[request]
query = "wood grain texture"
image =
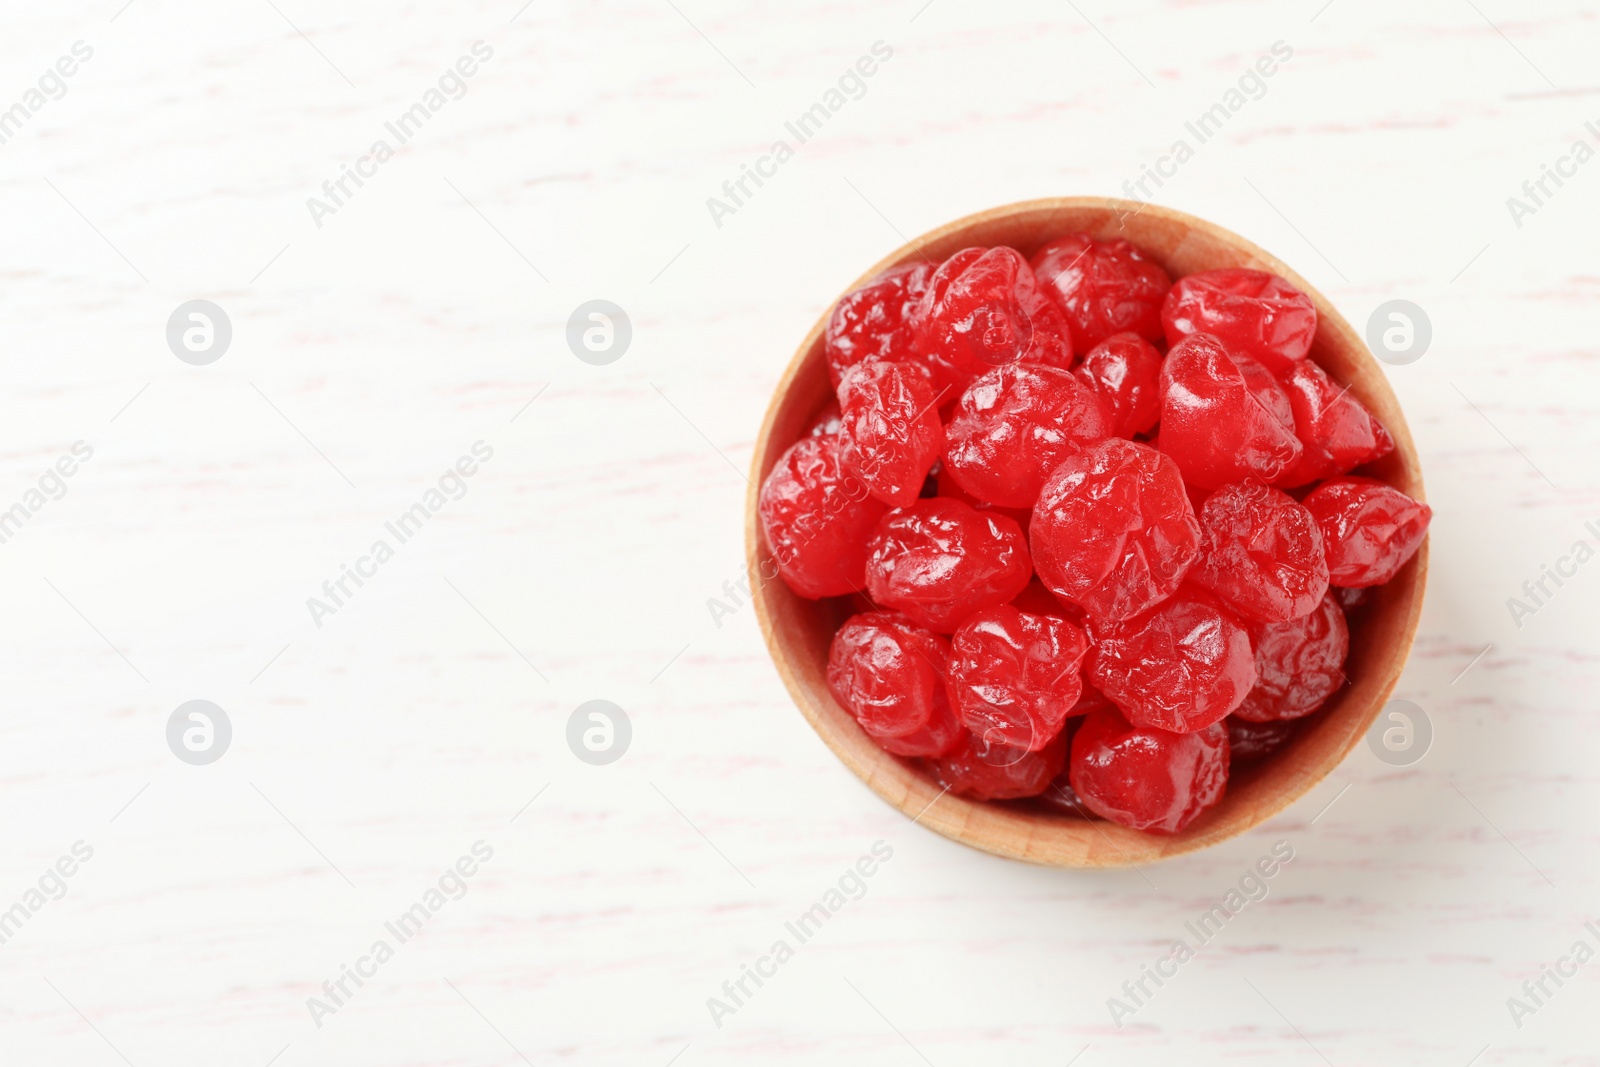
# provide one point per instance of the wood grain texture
(430, 310)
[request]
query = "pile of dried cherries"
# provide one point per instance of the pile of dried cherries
(1098, 531)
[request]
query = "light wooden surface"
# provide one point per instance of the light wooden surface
(418, 320)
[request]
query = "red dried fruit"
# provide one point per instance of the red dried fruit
(1222, 419)
(985, 771)
(1013, 426)
(1267, 391)
(1253, 313)
(816, 519)
(1369, 529)
(936, 739)
(1262, 554)
(1181, 666)
(1124, 373)
(874, 322)
(1336, 433)
(1299, 664)
(984, 308)
(1113, 531)
(1256, 740)
(1014, 677)
(940, 560)
(890, 435)
(828, 421)
(889, 674)
(1147, 779)
(1105, 287)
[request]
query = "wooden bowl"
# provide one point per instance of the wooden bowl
(798, 631)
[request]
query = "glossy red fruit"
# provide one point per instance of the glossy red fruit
(1268, 392)
(1299, 664)
(1124, 371)
(940, 560)
(1013, 426)
(828, 421)
(1105, 287)
(938, 738)
(985, 771)
(1257, 740)
(1262, 554)
(889, 674)
(1113, 531)
(1014, 677)
(1218, 424)
(816, 519)
(1369, 529)
(1254, 313)
(874, 322)
(1337, 434)
(1147, 779)
(890, 435)
(984, 308)
(1181, 666)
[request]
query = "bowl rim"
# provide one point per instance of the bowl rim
(1064, 841)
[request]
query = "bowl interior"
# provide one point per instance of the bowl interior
(798, 631)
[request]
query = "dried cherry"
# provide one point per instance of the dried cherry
(940, 560)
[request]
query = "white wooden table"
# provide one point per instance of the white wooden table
(429, 711)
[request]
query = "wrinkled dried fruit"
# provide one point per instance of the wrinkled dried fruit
(816, 519)
(889, 674)
(985, 771)
(890, 435)
(874, 322)
(940, 560)
(1299, 664)
(1154, 611)
(1253, 313)
(1147, 779)
(1014, 677)
(1181, 666)
(1013, 426)
(1262, 554)
(984, 308)
(1113, 531)
(1369, 529)
(1220, 425)
(1124, 372)
(828, 421)
(1256, 740)
(1336, 433)
(1105, 287)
